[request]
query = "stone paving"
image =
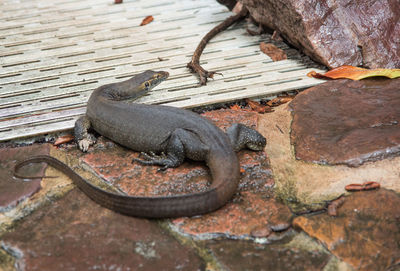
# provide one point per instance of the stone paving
(276, 221)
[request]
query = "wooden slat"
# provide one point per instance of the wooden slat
(53, 54)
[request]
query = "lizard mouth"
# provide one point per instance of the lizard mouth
(158, 77)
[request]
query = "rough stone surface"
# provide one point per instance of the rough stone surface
(302, 183)
(293, 253)
(13, 190)
(336, 32)
(347, 122)
(366, 232)
(248, 215)
(76, 234)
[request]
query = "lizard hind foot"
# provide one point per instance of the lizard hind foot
(153, 159)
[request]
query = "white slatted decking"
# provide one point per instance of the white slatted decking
(54, 53)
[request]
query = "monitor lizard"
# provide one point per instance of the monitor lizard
(153, 129)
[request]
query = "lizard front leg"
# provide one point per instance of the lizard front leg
(83, 138)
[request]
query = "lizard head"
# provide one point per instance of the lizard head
(149, 79)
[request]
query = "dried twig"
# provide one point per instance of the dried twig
(194, 65)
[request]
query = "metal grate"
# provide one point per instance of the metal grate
(54, 53)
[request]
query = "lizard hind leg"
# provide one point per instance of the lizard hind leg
(181, 144)
(83, 138)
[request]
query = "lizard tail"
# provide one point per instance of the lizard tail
(225, 176)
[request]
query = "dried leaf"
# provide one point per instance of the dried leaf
(355, 73)
(361, 187)
(64, 139)
(280, 100)
(256, 106)
(147, 20)
(117, 1)
(272, 51)
(235, 107)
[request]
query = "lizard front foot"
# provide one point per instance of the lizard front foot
(85, 143)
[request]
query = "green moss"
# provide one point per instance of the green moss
(286, 191)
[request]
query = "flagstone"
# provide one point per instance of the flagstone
(365, 233)
(308, 185)
(74, 233)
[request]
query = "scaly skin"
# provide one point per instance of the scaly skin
(176, 132)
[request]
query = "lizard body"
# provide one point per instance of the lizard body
(176, 133)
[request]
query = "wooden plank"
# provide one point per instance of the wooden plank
(53, 55)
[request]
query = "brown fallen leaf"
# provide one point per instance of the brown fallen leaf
(280, 100)
(117, 1)
(64, 139)
(362, 187)
(147, 20)
(257, 107)
(272, 51)
(355, 73)
(334, 205)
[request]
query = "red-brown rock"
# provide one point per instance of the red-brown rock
(250, 214)
(277, 256)
(347, 122)
(366, 232)
(13, 190)
(359, 32)
(74, 233)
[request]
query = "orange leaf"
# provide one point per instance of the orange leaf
(361, 187)
(64, 139)
(256, 106)
(355, 73)
(147, 20)
(235, 107)
(280, 100)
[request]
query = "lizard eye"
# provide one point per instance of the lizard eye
(146, 84)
